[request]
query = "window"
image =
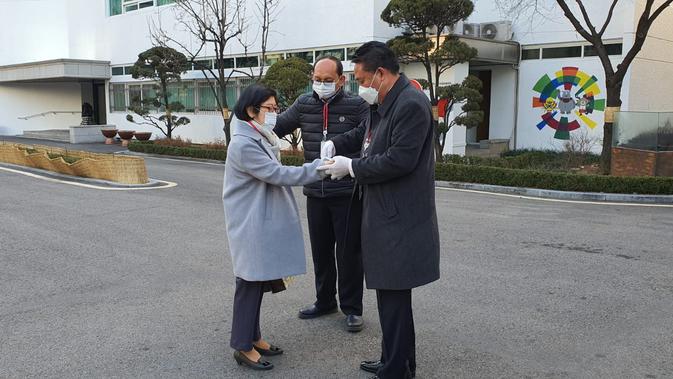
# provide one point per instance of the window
(305, 55)
(527, 54)
(135, 95)
(339, 53)
(562, 52)
(352, 84)
(613, 49)
(115, 7)
(127, 70)
(134, 5)
(207, 100)
(202, 64)
(243, 62)
(123, 6)
(273, 58)
(226, 63)
(117, 98)
(149, 92)
(117, 71)
(350, 52)
(182, 93)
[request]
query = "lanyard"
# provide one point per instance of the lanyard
(325, 120)
(254, 127)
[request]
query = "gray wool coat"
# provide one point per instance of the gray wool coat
(262, 219)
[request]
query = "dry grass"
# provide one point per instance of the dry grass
(218, 144)
(176, 141)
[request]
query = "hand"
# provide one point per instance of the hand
(324, 175)
(327, 150)
(340, 168)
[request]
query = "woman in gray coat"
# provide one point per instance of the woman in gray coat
(262, 219)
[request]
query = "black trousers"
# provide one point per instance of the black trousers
(336, 222)
(398, 347)
(245, 322)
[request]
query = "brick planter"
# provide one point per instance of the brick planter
(634, 162)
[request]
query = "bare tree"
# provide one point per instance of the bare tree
(583, 24)
(214, 25)
(267, 13)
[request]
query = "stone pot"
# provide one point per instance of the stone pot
(143, 136)
(109, 134)
(126, 136)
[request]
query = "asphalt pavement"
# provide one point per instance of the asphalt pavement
(131, 284)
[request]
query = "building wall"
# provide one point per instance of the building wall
(549, 25)
(503, 102)
(26, 99)
(528, 135)
(651, 79)
(203, 128)
(33, 31)
(299, 24)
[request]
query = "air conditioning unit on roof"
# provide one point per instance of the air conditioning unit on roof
(472, 30)
(499, 31)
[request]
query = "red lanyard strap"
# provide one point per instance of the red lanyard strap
(254, 127)
(325, 119)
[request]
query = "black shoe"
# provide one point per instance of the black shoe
(371, 366)
(313, 312)
(241, 359)
(273, 350)
(354, 323)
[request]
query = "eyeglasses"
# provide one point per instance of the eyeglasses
(270, 108)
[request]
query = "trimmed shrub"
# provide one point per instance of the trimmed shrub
(292, 160)
(192, 152)
(553, 180)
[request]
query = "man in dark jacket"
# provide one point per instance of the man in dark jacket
(395, 175)
(327, 112)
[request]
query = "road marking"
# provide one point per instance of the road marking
(92, 186)
(557, 200)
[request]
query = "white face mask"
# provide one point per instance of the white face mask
(324, 90)
(270, 118)
(369, 94)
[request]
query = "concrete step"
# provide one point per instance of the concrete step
(60, 135)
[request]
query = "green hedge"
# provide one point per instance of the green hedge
(473, 173)
(195, 152)
(530, 160)
(553, 180)
(192, 152)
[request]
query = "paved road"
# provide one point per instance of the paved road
(138, 284)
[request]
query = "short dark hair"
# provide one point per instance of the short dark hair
(375, 54)
(253, 96)
(340, 66)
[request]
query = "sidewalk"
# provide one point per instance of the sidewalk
(90, 147)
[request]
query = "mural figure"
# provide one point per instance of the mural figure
(569, 100)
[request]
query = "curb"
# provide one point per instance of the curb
(560, 195)
(76, 179)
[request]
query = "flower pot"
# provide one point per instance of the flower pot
(143, 136)
(109, 134)
(126, 136)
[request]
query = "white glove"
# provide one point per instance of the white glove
(327, 150)
(340, 168)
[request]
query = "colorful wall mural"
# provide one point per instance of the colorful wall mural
(568, 101)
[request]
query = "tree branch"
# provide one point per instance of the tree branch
(661, 8)
(585, 15)
(574, 21)
(608, 19)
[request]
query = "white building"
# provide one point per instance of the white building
(57, 54)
